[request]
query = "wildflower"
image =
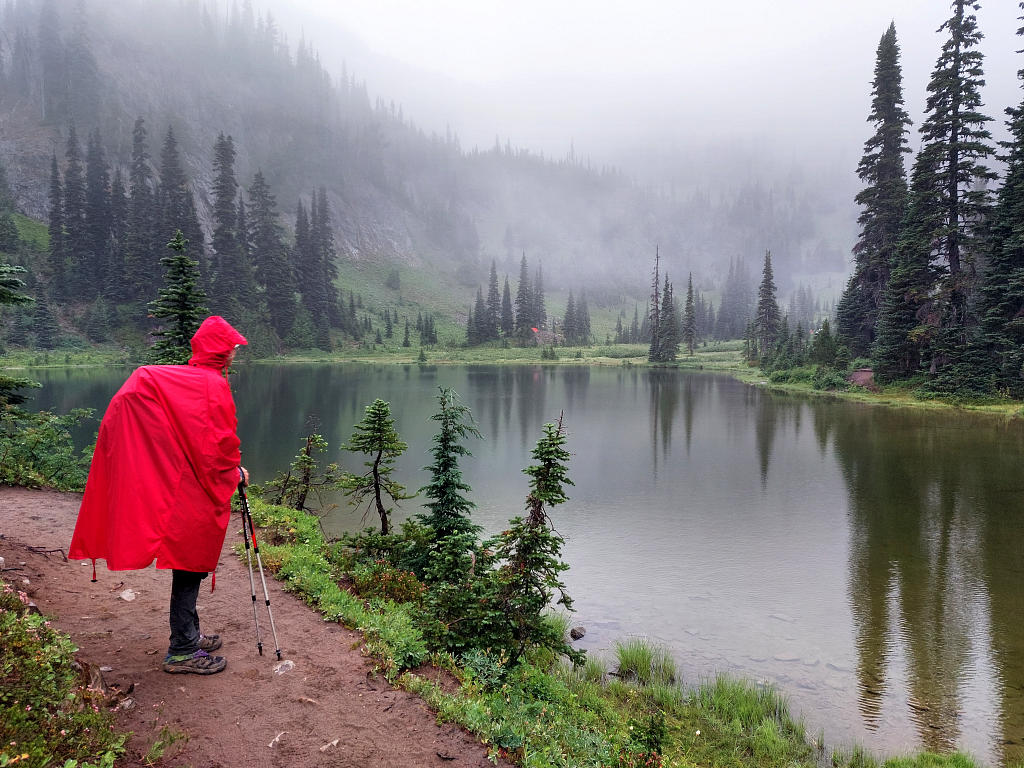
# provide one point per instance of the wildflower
(698, 732)
(28, 707)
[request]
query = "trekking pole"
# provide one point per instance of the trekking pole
(247, 523)
(248, 559)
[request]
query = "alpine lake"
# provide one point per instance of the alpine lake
(867, 561)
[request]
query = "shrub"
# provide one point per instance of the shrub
(381, 580)
(46, 712)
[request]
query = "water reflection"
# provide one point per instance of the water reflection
(933, 505)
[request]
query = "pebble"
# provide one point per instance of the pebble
(106, 669)
(2, 561)
(329, 744)
(128, 595)
(284, 666)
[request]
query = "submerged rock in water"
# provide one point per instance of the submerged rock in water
(577, 632)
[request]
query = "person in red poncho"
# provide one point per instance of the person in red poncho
(166, 464)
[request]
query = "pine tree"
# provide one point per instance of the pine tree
(654, 354)
(493, 304)
(538, 310)
(405, 338)
(273, 271)
(113, 288)
(954, 137)
(176, 203)
(882, 201)
(524, 303)
(507, 318)
(531, 551)
(452, 534)
(57, 252)
(569, 326)
(668, 325)
(376, 436)
(140, 279)
(75, 226)
(1002, 291)
(583, 320)
(767, 317)
(226, 242)
(182, 304)
(322, 237)
(690, 318)
(93, 269)
(44, 324)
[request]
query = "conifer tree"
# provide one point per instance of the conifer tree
(531, 551)
(322, 236)
(583, 320)
(654, 354)
(524, 303)
(767, 317)
(538, 311)
(180, 307)
(75, 226)
(882, 201)
(690, 318)
(452, 534)
(140, 260)
(958, 147)
(479, 320)
(93, 269)
(1002, 291)
(113, 287)
(668, 325)
(273, 271)
(493, 304)
(226, 242)
(57, 252)
(405, 338)
(376, 436)
(44, 324)
(569, 327)
(507, 318)
(176, 203)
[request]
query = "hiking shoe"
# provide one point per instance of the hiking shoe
(198, 663)
(209, 642)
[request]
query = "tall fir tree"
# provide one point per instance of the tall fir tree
(669, 331)
(57, 251)
(958, 144)
(226, 243)
(176, 203)
(583, 320)
(508, 320)
(767, 317)
(322, 236)
(524, 303)
(570, 329)
(141, 263)
(1002, 290)
(690, 318)
(75, 225)
(274, 272)
(493, 304)
(180, 307)
(93, 269)
(538, 309)
(654, 353)
(882, 200)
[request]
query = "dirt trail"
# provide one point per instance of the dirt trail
(329, 710)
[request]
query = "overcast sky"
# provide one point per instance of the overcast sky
(609, 77)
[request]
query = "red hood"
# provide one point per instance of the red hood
(213, 342)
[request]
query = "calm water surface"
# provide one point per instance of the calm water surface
(867, 561)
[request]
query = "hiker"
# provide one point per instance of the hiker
(166, 464)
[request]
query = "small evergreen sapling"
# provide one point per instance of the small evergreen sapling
(376, 436)
(531, 550)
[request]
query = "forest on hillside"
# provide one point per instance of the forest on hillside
(397, 195)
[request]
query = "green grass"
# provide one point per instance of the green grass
(34, 233)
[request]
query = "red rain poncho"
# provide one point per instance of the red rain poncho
(166, 464)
